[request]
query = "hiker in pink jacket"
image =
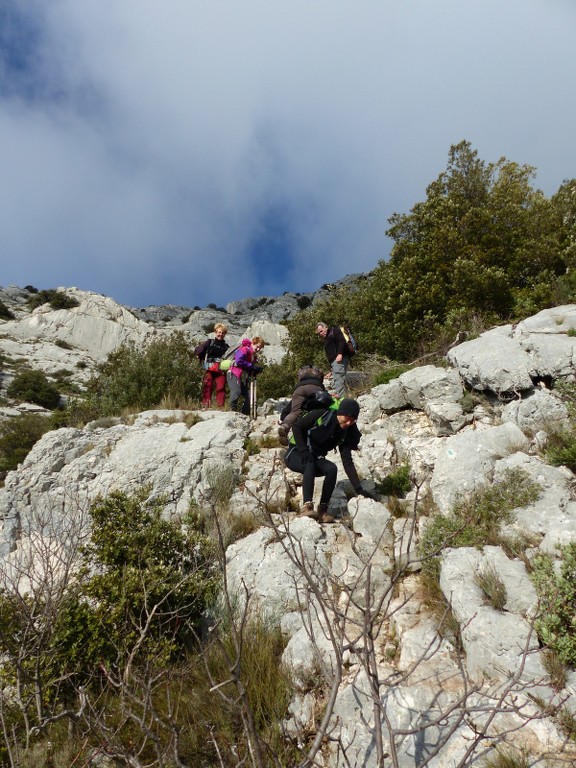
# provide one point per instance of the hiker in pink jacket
(244, 365)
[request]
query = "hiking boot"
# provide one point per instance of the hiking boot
(307, 510)
(283, 435)
(324, 515)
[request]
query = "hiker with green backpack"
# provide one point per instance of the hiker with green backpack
(310, 382)
(313, 436)
(339, 345)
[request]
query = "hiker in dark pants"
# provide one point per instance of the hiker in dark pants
(313, 436)
(244, 366)
(336, 350)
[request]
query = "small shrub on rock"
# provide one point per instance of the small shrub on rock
(56, 299)
(5, 313)
(33, 387)
(557, 593)
(18, 435)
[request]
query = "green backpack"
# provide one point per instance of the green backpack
(227, 360)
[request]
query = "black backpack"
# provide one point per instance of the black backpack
(320, 399)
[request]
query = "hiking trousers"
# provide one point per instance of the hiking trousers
(339, 377)
(238, 388)
(214, 381)
(310, 470)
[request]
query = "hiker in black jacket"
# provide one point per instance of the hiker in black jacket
(336, 350)
(309, 382)
(210, 353)
(313, 435)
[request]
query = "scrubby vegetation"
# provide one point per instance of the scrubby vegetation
(141, 377)
(483, 248)
(110, 644)
(5, 313)
(476, 520)
(18, 435)
(34, 387)
(557, 592)
(56, 299)
(561, 444)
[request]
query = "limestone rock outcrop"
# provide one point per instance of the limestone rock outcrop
(349, 597)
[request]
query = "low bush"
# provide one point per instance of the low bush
(141, 377)
(18, 435)
(5, 313)
(387, 374)
(556, 590)
(33, 387)
(278, 380)
(56, 299)
(397, 483)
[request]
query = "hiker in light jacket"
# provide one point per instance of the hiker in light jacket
(210, 354)
(309, 382)
(313, 435)
(336, 350)
(245, 365)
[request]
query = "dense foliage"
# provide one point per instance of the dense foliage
(484, 247)
(34, 387)
(122, 610)
(5, 313)
(141, 377)
(556, 590)
(56, 299)
(17, 437)
(139, 571)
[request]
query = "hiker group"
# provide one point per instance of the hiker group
(236, 366)
(313, 423)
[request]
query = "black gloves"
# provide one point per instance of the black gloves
(257, 369)
(367, 494)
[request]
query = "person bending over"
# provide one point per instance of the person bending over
(313, 435)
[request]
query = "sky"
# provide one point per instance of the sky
(191, 152)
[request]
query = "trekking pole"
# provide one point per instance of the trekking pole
(253, 403)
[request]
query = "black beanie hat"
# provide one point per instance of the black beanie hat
(349, 407)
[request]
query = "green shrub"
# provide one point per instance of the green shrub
(18, 435)
(557, 595)
(385, 376)
(397, 483)
(63, 344)
(56, 299)
(138, 569)
(5, 313)
(33, 387)
(278, 380)
(139, 378)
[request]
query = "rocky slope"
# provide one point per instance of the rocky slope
(363, 649)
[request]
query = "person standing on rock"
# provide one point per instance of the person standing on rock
(210, 353)
(313, 435)
(336, 349)
(245, 366)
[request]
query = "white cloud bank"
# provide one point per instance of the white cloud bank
(144, 146)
